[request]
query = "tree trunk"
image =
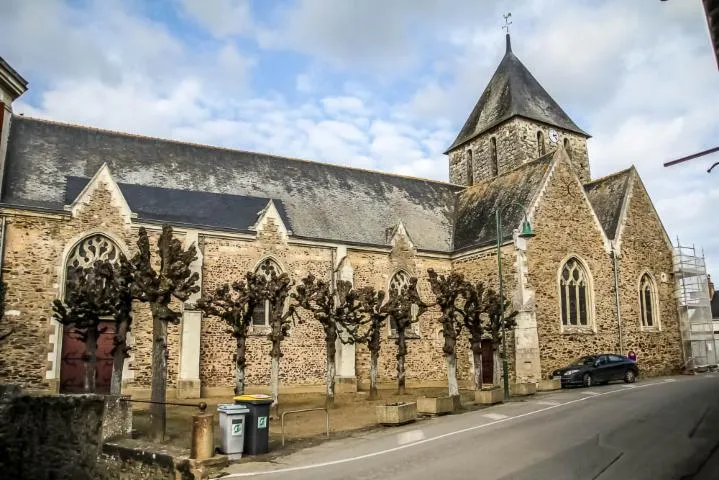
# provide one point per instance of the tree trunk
(118, 357)
(159, 376)
(453, 388)
(401, 352)
(240, 366)
(275, 381)
(477, 369)
(374, 357)
(497, 367)
(90, 359)
(331, 370)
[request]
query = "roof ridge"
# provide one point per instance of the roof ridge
(227, 149)
(608, 176)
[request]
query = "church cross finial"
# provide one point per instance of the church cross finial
(506, 25)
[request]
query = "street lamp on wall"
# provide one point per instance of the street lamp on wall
(526, 233)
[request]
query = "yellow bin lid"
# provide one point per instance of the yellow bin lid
(257, 396)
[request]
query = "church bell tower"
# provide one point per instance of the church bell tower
(515, 121)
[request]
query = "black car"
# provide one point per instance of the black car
(597, 369)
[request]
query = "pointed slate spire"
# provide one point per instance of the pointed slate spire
(513, 91)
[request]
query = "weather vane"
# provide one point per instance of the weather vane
(507, 23)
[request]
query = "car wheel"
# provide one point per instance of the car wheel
(587, 380)
(629, 376)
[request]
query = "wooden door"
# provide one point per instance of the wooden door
(72, 369)
(487, 362)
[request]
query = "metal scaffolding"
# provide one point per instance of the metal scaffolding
(695, 313)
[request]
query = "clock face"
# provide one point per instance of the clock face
(553, 136)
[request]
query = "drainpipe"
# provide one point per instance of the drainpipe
(616, 298)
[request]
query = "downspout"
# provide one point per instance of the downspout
(616, 298)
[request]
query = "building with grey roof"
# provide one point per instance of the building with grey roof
(596, 278)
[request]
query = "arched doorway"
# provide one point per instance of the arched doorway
(84, 254)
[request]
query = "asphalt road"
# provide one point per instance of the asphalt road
(664, 428)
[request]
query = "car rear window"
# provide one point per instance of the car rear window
(615, 358)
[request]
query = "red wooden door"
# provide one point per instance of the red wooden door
(72, 369)
(487, 362)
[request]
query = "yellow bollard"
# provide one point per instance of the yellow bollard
(203, 436)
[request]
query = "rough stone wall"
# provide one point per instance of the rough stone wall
(645, 248)
(304, 360)
(425, 360)
(51, 436)
(516, 144)
(34, 248)
(564, 226)
(482, 267)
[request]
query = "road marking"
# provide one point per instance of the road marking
(426, 440)
(594, 394)
(495, 416)
(629, 386)
(668, 380)
(410, 437)
(547, 402)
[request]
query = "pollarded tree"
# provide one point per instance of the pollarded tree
(404, 307)
(496, 309)
(119, 278)
(276, 291)
(333, 310)
(448, 291)
(235, 304)
(475, 311)
(88, 298)
(369, 329)
(158, 287)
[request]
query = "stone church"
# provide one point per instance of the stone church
(597, 277)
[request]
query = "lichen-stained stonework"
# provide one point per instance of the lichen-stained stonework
(565, 226)
(645, 248)
(516, 144)
(34, 270)
(227, 260)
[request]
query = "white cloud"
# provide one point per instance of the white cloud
(639, 76)
(221, 18)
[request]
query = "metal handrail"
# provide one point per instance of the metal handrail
(201, 405)
(282, 419)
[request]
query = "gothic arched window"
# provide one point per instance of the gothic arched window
(398, 284)
(648, 301)
(261, 315)
(470, 169)
(540, 143)
(567, 147)
(493, 163)
(89, 250)
(575, 294)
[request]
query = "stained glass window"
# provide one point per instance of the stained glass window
(574, 293)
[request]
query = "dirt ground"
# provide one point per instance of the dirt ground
(352, 412)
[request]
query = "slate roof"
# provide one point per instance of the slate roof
(475, 225)
(711, 8)
(607, 197)
(321, 201)
(206, 209)
(513, 91)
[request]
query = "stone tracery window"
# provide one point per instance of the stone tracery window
(261, 315)
(648, 301)
(89, 250)
(398, 283)
(575, 294)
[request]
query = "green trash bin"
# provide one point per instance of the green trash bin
(257, 423)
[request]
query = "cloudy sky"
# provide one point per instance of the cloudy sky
(382, 84)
